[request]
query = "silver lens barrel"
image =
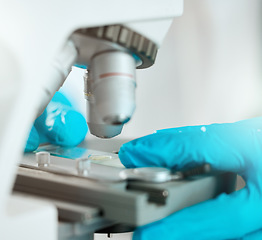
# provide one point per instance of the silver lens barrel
(110, 91)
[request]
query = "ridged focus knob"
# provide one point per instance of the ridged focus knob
(142, 47)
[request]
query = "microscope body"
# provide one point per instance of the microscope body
(39, 42)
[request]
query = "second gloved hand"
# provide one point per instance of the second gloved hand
(235, 147)
(59, 124)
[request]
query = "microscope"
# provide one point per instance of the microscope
(39, 42)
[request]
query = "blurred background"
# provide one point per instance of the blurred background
(208, 69)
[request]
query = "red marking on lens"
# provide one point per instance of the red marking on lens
(116, 74)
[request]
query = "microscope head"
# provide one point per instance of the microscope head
(111, 54)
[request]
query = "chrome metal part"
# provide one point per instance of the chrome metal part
(43, 159)
(147, 174)
(111, 55)
(143, 48)
(110, 92)
(160, 175)
(83, 166)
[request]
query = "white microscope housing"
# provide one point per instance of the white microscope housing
(39, 42)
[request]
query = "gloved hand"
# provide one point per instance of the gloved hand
(235, 147)
(59, 124)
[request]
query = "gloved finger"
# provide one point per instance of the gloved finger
(60, 124)
(176, 151)
(225, 146)
(32, 141)
(68, 128)
(226, 217)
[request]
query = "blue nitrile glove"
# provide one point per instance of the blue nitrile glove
(59, 124)
(235, 147)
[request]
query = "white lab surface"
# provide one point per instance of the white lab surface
(207, 70)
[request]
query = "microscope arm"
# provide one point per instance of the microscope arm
(32, 35)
